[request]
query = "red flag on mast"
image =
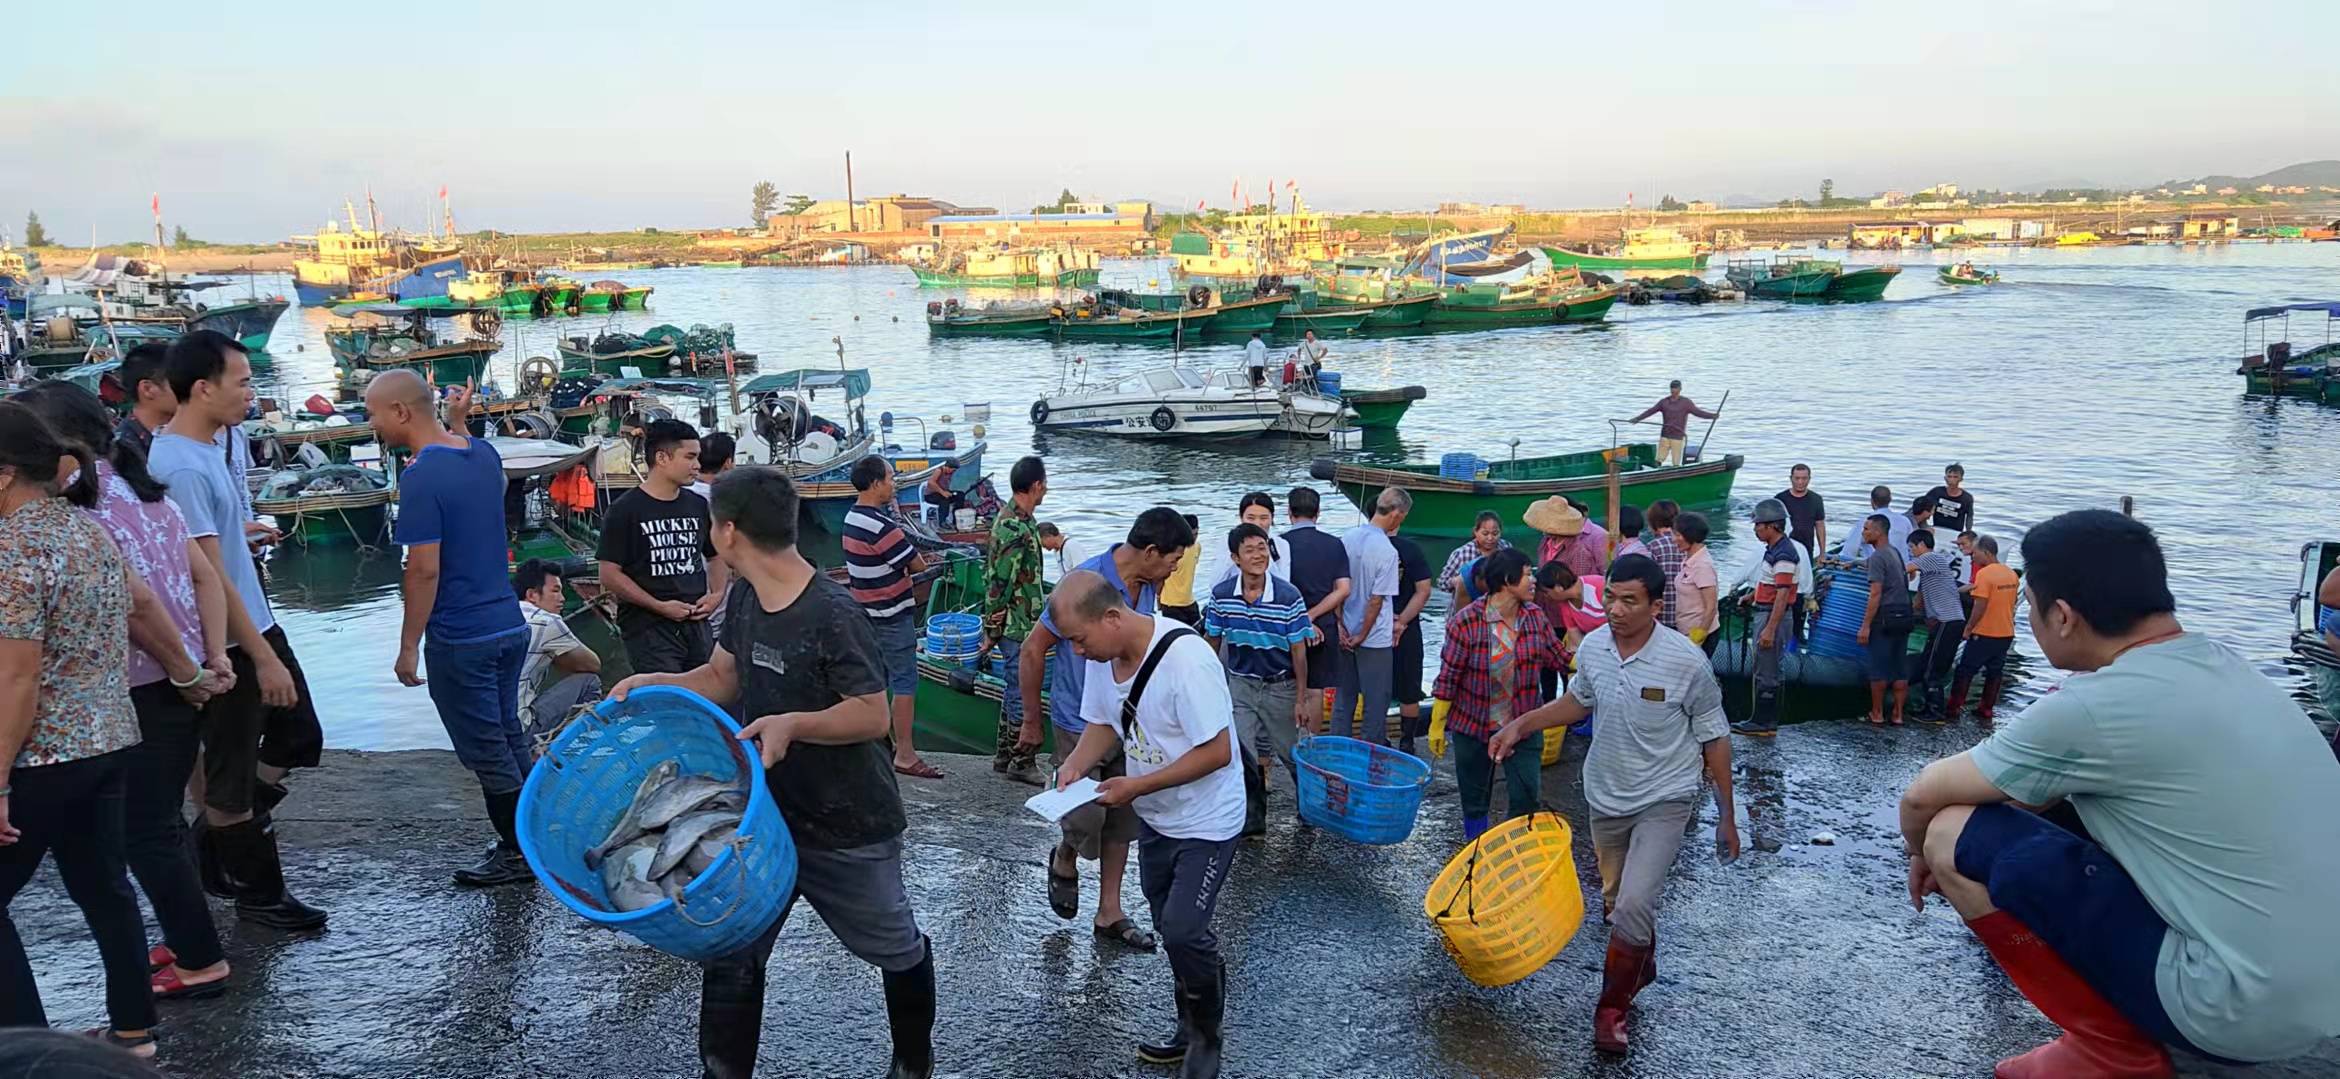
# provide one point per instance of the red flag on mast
(157, 202)
(442, 192)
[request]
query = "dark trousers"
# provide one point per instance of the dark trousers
(74, 810)
(1985, 654)
(476, 688)
(656, 645)
(1941, 651)
(290, 737)
(1474, 774)
(1181, 879)
(154, 824)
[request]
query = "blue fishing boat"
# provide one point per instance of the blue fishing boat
(1430, 258)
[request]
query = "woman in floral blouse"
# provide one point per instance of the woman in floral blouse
(66, 598)
(1490, 670)
(151, 534)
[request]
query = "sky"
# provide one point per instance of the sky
(253, 122)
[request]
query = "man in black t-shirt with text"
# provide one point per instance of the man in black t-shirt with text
(1807, 514)
(1953, 503)
(798, 666)
(656, 558)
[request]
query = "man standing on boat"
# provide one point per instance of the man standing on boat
(2172, 887)
(1012, 595)
(656, 558)
(1807, 513)
(451, 522)
(1255, 360)
(1953, 503)
(1674, 412)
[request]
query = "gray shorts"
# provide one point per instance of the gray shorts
(898, 644)
(858, 892)
(1087, 829)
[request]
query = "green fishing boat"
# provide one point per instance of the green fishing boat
(1401, 313)
(1860, 286)
(560, 295)
(329, 504)
(1484, 307)
(1785, 278)
(386, 336)
(1643, 249)
(634, 298)
(1229, 314)
(948, 318)
(1966, 273)
(1100, 319)
(957, 704)
(2278, 367)
(610, 353)
(1072, 278)
(1325, 321)
(1447, 507)
(599, 297)
(1381, 409)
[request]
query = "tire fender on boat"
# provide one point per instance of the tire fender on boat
(1163, 419)
(1039, 413)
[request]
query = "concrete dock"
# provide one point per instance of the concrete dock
(1797, 960)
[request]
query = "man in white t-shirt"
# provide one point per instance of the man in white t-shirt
(552, 646)
(1155, 690)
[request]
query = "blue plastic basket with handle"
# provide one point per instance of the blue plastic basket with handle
(1353, 788)
(588, 778)
(954, 636)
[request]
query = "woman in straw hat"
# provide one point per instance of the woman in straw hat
(1568, 537)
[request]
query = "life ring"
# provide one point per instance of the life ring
(1163, 419)
(1039, 413)
(487, 323)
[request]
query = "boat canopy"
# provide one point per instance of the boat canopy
(58, 301)
(393, 310)
(2331, 308)
(854, 382)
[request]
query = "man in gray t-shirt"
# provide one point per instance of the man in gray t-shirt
(1943, 616)
(1887, 622)
(1365, 661)
(2175, 888)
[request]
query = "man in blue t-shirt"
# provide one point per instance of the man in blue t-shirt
(1136, 568)
(459, 606)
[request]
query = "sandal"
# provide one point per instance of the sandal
(160, 956)
(1064, 892)
(168, 985)
(919, 769)
(140, 1046)
(1127, 934)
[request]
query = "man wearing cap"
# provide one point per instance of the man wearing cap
(1565, 541)
(1675, 411)
(1775, 603)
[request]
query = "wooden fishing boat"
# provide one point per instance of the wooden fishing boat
(1381, 409)
(1860, 286)
(1094, 319)
(2283, 368)
(1485, 309)
(1447, 506)
(1782, 278)
(1293, 320)
(271, 442)
(947, 318)
(1643, 249)
(560, 295)
(335, 503)
(1966, 273)
(1059, 266)
(381, 337)
(251, 322)
(610, 353)
(634, 298)
(59, 330)
(1231, 313)
(1395, 313)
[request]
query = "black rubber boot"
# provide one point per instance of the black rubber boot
(1254, 798)
(503, 863)
(207, 864)
(1764, 722)
(1170, 1050)
(910, 1012)
(1205, 1008)
(248, 857)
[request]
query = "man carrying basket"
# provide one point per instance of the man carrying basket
(1661, 718)
(1155, 692)
(798, 665)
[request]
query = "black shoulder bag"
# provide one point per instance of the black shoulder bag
(1145, 674)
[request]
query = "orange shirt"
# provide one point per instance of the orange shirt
(1995, 583)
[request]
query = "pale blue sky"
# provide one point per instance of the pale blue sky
(254, 121)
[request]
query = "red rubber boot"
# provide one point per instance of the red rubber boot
(1990, 700)
(1622, 976)
(2098, 1042)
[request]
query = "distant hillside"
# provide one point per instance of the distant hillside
(2304, 174)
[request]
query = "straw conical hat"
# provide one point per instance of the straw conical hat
(1554, 517)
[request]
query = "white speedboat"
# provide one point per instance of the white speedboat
(1175, 402)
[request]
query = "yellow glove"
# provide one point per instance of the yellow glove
(1698, 635)
(1438, 728)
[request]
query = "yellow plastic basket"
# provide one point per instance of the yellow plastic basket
(1552, 737)
(1508, 902)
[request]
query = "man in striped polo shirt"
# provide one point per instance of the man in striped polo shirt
(879, 559)
(1260, 623)
(1661, 725)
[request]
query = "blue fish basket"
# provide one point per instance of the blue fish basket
(1460, 466)
(954, 636)
(1359, 790)
(588, 778)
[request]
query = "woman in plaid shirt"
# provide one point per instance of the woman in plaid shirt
(1490, 670)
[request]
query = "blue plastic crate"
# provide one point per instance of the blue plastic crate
(588, 778)
(1353, 788)
(1460, 466)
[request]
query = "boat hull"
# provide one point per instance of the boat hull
(1563, 258)
(426, 280)
(595, 301)
(1324, 320)
(1241, 317)
(1034, 325)
(1949, 278)
(964, 720)
(1125, 419)
(1406, 313)
(1381, 410)
(1449, 509)
(1114, 329)
(636, 298)
(365, 525)
(250, 323)
(1803, 286)
(1860, 286)
(1447, 316)
(653, 362)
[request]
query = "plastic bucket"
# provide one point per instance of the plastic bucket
(1365, 792)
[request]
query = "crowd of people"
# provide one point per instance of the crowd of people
(2096, 846)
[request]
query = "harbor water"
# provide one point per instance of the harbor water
(2088, 376)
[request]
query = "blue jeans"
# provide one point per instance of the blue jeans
(476, 687)
(898, 645)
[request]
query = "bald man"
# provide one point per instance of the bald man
(459, 606)
(1156, 695)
